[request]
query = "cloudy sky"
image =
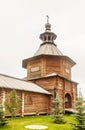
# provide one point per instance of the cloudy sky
(22, 21)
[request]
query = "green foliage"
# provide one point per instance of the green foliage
(57, 114)
(12, 103)
(3, 120)
(79, 115)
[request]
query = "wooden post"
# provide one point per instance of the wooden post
(22, 103)
(3, 100)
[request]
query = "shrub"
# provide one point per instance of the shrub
(3, 120)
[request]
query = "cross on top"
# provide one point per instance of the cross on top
(47, 18)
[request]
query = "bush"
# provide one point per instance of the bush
(3, 120)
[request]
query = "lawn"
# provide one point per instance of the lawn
(21, 122)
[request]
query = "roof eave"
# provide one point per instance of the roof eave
(55, 75)
(25, 61)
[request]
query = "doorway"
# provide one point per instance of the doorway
(68, 100)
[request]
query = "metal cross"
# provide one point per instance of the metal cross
(47, 18)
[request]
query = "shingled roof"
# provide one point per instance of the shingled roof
(19, 84)
(48, 49)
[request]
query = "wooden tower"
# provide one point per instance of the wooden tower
(50, 69)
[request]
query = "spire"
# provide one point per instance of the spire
(80, 94)
(47, 25)
(48, 36)
(48, 47)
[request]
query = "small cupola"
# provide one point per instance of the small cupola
(48, 36)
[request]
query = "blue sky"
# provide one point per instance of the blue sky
(22, 21)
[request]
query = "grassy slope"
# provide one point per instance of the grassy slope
(21, 122)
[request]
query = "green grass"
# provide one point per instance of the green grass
(21, 122)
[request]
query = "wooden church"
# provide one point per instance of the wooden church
(51, 70)
(48, 77)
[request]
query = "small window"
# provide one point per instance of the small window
(28, 100)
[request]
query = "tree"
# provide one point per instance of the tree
(79, 115)
(3, 120)
(57, 114)
(12, 103)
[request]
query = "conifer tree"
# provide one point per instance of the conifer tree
(57, 114)
(79, 115)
